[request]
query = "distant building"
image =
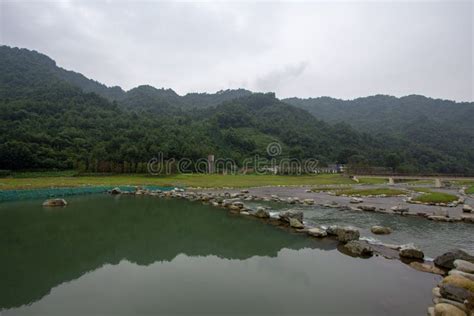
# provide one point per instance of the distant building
(331, 168)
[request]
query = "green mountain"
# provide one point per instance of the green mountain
(55, 118)
(443, 126)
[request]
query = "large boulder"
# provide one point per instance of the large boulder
(234, 208)
(380, 230)
(296, 223)
(356, 200)
(459, 305)
(455, 293)
(447, 259)
(464, 266)
(359, 248)
(444, 309)
(347, 233)
(261, 212)
(400, 209)
(317, 232)
(467, 208)
(411, 252)
(425, 267)
(332, 230)
(469, 276)
(238, 204)
(286, 215)
(308, 201)
(367, 208)
(54, 202)
(459, 281)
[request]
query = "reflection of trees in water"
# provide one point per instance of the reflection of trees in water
(41, 250)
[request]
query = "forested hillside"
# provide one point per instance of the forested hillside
(54, 118)
(445, 126)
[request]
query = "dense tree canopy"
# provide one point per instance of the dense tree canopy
(53, 118)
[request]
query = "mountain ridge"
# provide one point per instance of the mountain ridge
(55, 118)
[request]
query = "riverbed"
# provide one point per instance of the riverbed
(142, 255)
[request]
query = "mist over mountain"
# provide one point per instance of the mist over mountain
(56, 118)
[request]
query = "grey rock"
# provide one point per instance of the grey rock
(238, 204)
(367, 208)
(261, 213)
(347, 233)
(116, 191)
(332, 230)
(469, 276)
(400, 209)
(380, 230)
(286, 215)
(359, 248)
(467, 208)
(355, 200)
(443, 309)
(455, 293)
(54, 202)
(431, 311)
(317, 232)
(438, 218)
(411, 252)
(464, 266)
(459, 305)
(467, 219)
(447, 259)
(296, 223)
(436, 292)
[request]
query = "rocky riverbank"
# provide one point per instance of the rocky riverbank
(454, 294)
(397, 205)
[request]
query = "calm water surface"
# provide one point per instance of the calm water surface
(140, 255)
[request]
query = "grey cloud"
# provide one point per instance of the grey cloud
(273, 80)
(306, 49)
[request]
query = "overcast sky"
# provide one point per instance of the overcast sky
(311, 49)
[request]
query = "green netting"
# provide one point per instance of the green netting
(11, 195)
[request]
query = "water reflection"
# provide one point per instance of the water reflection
(130, 255)
(43, 247)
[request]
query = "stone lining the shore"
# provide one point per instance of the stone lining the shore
(234, 202)
(454, 295)
(449, 293)
(435, 215)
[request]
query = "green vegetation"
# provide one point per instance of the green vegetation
(430, 196)
(52, 118)
(432, 135)
(194, 180)
(375, 191)
(47, 121)
(470, 190)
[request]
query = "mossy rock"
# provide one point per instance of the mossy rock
(459, 281)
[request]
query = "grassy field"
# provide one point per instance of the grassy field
(40, 180)
(367, 192)
(436, 197)
(470, 190)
